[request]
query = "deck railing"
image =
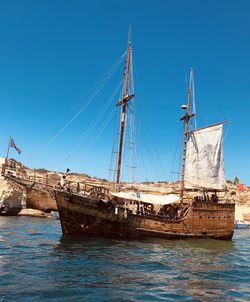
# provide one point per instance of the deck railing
(42, 180)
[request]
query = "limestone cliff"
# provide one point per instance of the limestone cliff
(40, 200)
(14, 197)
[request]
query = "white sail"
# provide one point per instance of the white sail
(149, 198)
(205, 159)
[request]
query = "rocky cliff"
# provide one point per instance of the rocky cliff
(14, 197)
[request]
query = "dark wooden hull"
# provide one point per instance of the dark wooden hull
(81, 215)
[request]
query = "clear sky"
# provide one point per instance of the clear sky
(53, 52)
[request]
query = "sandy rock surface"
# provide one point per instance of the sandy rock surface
(33, 213)
(12, 196)
(15, 197)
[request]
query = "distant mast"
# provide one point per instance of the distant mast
(123, 103)
(186, 119)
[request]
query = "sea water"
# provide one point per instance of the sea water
(37, 263)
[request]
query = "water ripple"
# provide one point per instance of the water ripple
(38, 264)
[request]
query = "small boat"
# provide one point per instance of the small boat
(241, 224)
(200, 209)
(55, 215)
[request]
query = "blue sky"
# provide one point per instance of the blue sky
(53, 52)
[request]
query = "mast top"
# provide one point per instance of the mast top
(187, 106)
(129, 34)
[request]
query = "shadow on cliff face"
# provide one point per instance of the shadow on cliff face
(40, 200)
(12, 198)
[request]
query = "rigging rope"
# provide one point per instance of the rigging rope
(102, 128)
(176, 158)
(154, 159)
(225, 135)
(130, 156)
(98, 89)
(143, 160)
(132, 144)
(191, 86)
(112, 164)
(94, 122)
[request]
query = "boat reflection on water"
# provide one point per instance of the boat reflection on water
(154, 244)
(194, 245)
(199, 269)
(71, 268)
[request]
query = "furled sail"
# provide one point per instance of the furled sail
(205, 159)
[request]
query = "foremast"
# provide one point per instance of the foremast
(186, 118)
(123, 102)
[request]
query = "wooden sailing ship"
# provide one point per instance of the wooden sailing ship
(98, 211)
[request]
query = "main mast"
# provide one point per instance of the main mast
(123, 103)
(186, 119)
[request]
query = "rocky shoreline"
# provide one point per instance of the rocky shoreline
(20, 200)
(17, 200)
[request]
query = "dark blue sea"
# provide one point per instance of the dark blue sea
(38, 264)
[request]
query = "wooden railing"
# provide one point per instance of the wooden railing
(42, 180)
